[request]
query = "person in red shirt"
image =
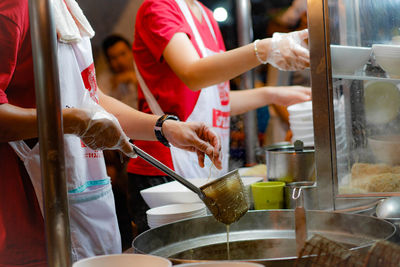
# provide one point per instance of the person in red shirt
(180, 58)
(87, 129)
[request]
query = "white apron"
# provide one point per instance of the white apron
(93, 222)
(212, 108)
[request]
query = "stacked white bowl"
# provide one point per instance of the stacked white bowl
(348, 59)
(174, 212)
(388, 57)
(301, 122)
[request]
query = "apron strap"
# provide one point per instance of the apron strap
(207, 21)
(188, 16)
(21, 148)
(151, 100)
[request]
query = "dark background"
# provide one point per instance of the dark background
(262, 13)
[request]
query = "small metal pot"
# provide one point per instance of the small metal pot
(309, 191)
(290, 163)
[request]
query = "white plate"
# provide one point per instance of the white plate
(176, 209)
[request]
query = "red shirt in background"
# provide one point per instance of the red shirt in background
(22, 238)
(156, 23)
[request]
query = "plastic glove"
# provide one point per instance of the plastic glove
(99, 130)
(195, 137)
(288, 52)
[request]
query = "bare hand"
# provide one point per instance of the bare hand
(195, 137)
(288, 95)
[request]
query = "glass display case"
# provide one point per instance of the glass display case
(355, 74)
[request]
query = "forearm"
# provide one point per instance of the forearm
(137, 125)
(21, 123)
(243, 101)
(198, 72)
(17, 123)
(221, 67)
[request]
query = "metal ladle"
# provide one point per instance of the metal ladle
(224, 197)
(389, 208)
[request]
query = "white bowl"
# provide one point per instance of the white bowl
(123, 260)
(170, 218)
(348, 59)
(175, 217)
(301, 124)
(386, 49)
(306, 139)
(220, 264)
(300, 108)
(299, 131)
(302, 117)
(158, 222)
(381, 101)
(388, 57)
(174, 192)
(385, 149)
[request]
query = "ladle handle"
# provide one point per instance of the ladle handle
(167, 171)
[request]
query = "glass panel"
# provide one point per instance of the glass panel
(365, 60)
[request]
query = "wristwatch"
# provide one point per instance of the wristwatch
(158, 128)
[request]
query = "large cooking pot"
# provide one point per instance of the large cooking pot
(265, 236)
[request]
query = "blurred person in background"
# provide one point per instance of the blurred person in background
(183, 69)
(122, 83)
(89, 127)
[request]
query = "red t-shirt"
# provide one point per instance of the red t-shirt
(156, 23)
(22, 238)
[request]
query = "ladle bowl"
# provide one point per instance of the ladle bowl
(225, 197)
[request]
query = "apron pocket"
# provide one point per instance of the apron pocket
(93, 223)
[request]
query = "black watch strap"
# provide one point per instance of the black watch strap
(157, 128)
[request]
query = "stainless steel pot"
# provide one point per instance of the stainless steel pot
(309, 191)
(288, 164)
(265, 236)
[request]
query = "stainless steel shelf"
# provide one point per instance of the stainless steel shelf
(364, 77)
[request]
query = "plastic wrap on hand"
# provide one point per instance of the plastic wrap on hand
(288, 51)
(103, 131)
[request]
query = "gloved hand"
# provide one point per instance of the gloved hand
(288, 51)
(195, 137)
(97, 128)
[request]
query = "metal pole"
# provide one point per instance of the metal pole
(321, 82)
(245, 36)
(44, 49)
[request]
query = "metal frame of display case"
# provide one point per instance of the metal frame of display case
(323, 114)
(325, 153)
